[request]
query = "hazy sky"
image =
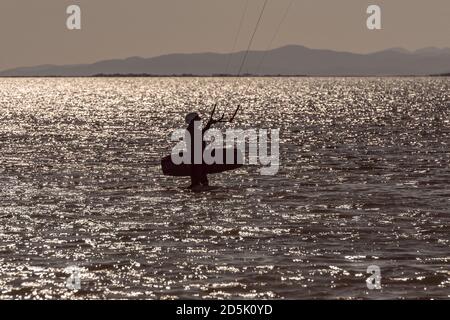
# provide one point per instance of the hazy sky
(34, 32)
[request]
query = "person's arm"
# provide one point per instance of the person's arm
(212, 122)
(208, 125)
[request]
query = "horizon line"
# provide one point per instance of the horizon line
(144, 75)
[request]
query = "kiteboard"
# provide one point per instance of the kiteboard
(184, 170)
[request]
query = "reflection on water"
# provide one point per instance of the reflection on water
(364, 180)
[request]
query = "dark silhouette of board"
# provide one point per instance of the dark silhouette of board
(184, 170)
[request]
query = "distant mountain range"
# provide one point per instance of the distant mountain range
(290, 60)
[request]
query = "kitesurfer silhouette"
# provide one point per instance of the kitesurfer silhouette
(199, 176)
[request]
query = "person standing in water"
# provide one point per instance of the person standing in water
(199, 176)
(198, 172)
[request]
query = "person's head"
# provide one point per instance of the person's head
(193, 116)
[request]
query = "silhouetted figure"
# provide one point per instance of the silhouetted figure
(198, 171)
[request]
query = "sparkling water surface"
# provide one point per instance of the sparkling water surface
(364, 180)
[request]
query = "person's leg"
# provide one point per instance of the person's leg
(194, 182)
(204, 180)
(195, 176)
(203, 176)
